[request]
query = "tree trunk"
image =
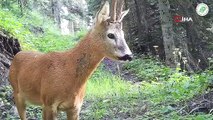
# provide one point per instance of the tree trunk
(56, 12)
(167, 31)
(138, 14)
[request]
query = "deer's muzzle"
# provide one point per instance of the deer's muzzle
(126, 57)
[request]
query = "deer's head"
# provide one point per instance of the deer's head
(109, 33)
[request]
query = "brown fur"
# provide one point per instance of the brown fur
(57, 80)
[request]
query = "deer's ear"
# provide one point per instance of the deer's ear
(103, 14)
(123, 14)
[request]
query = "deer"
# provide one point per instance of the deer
(56, 81)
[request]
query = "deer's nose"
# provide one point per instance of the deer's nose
(126, 57)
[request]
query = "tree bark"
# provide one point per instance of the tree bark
(167, 31)
(56, 12)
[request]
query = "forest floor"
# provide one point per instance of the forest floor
(135, 106)
(200, 103)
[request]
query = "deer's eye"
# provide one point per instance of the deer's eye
(111, 36)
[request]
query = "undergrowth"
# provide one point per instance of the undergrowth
(36, 32)
(157, 96)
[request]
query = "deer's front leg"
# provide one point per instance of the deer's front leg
(21, 106)
(49, 113)
(73, 114)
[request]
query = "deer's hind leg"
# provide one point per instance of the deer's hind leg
(21, 105)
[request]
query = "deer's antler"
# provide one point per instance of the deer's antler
(113, 11)
(119, 10)
(116, 10)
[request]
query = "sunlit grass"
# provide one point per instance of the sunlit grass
(103, 83)
(108, 96)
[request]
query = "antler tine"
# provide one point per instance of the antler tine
(113, 10)
(119, 9)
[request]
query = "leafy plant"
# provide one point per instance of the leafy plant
(149, 69)
(12, 26)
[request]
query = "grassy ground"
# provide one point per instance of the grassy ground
(109, 96)
(160, 94)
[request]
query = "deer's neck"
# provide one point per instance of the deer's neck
(84, 59)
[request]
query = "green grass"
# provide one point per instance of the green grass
(110, 97)
(167, 83)
(104, 84)
(13, 26)
(149, 69)
(36, 32)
